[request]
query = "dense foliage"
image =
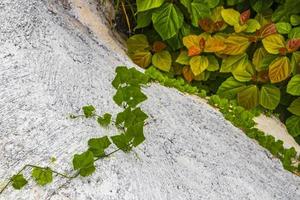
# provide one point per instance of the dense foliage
(243, 50)
(129, 127)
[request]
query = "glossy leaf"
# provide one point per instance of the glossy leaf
(248, 97)
(144, 19)
(258, 56)
(142, 58)
(231, 16)
(214, 44)
(294, 33)
(232, 62)
(183, 58)
(167, 20)
(244, 72)
(269, 96)
(198, 64)
(252, 26)
(293, 86)
(230, 87)
(283, 27)
(235, 45)
(191, 40)
(295, 107)
(295, 20)
(279, 69)
(162, 60)
(273, 43)
(213, 64)
(199, 10)
(136, 43)
(293, 125)
(143, 5)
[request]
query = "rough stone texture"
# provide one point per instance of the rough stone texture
(51, 66)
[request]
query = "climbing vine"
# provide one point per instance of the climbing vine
(129, 123)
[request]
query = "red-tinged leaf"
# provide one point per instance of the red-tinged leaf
(158, 46)
(293, 45)
(194, 51)
(206, 24)
(202, 43)
(218, 25)
(282, 51)
(263, 76)
(267, 30)
(245, 16)
(187, 73)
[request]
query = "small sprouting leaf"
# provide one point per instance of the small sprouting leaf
(295, 20)
(198, 64)
(122, 141)
(136, 43)
(295, 107)
(248, 97)
(183, 58)
(104, 120)
(143, 5)
(98, 145)
(230, 87)
(89, 111)
(283, 27)
(235, 45)
(167, 20)
(244, 17)
(42, 176)
(84, 163)
(141, 58)
(187, 73)
(213, 64)
(232, 62)
(129, 77)
(273, 43)
(279, 69)
(293, 86)
(269, 96)
(162, 60)
(266, 30)
(18, 181)
(158, 46)
(252, 26)
(131, 95)
(293, 125)
(231, 16)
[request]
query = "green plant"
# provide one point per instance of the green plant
(243, 50)
(129, 123)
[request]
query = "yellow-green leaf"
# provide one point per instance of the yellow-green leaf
(235, 45)
(230, 87)
(198, 64)
(142, 58)
(162, 60)
(244, 72)
(293, 86)
(183, 58)
(213, 64)
(191, 40)
(252, 26)
(232, 62)
(136, 43)
(279, 69)
(231, 16)
(248, 97)
(295, 107)
(273, 43)
(258, 56)
(269, 96)
(295, 62)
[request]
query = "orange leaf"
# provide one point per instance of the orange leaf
(214, 44)
(194, 50)
(293, 45)
(267, 30)
(206, 24)
(244, 17)
(187, 73)
(218, 26)
(158, 46)
(279, 69)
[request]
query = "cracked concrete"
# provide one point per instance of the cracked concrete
(51, 65)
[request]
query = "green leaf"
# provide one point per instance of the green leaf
(42, 176)
(230, 87)
(273, 43)
(269, 96)
(89, 111)
(129, 117)
(211, 3)
(187, 4)
(293, 86)
(199, 10)
(144, 19)
(260, 5)
(18, 181)
(129, 77)
(231, 16)
(248, 97)
(162, 60)
(294, 33)
(137, 133)
(84, 163)
(253, 25)
(244, 72)
(232, 62)
(131, 95)
(295, 62)
(183, 58)
(283, 12)
(295, 107)
(279, 69)
(295, 20)
(122, 141)
(293, 125)
(198, 64)
(141, 58)
(265, 62)
(213, 64)
(167, 20)
(137, 43)
(143, 5)
(283, 27)
(98, 145)
(105, 120)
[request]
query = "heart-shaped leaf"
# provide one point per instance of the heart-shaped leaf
(232, 62)
(279, 69)
(293, 86)
(42, 176)
(183, 58)
(231, 16)
(143, 5)
(142, 58)
(187, 73)
(273, 43)
(248, 97)
(198, 64)
(295, 107)
(244, 72)
(199, 10)
(230, 87)
(283, 27)
(213, 64)
(162, 60)
(269, 96)
(293, 125)
(235, 45)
